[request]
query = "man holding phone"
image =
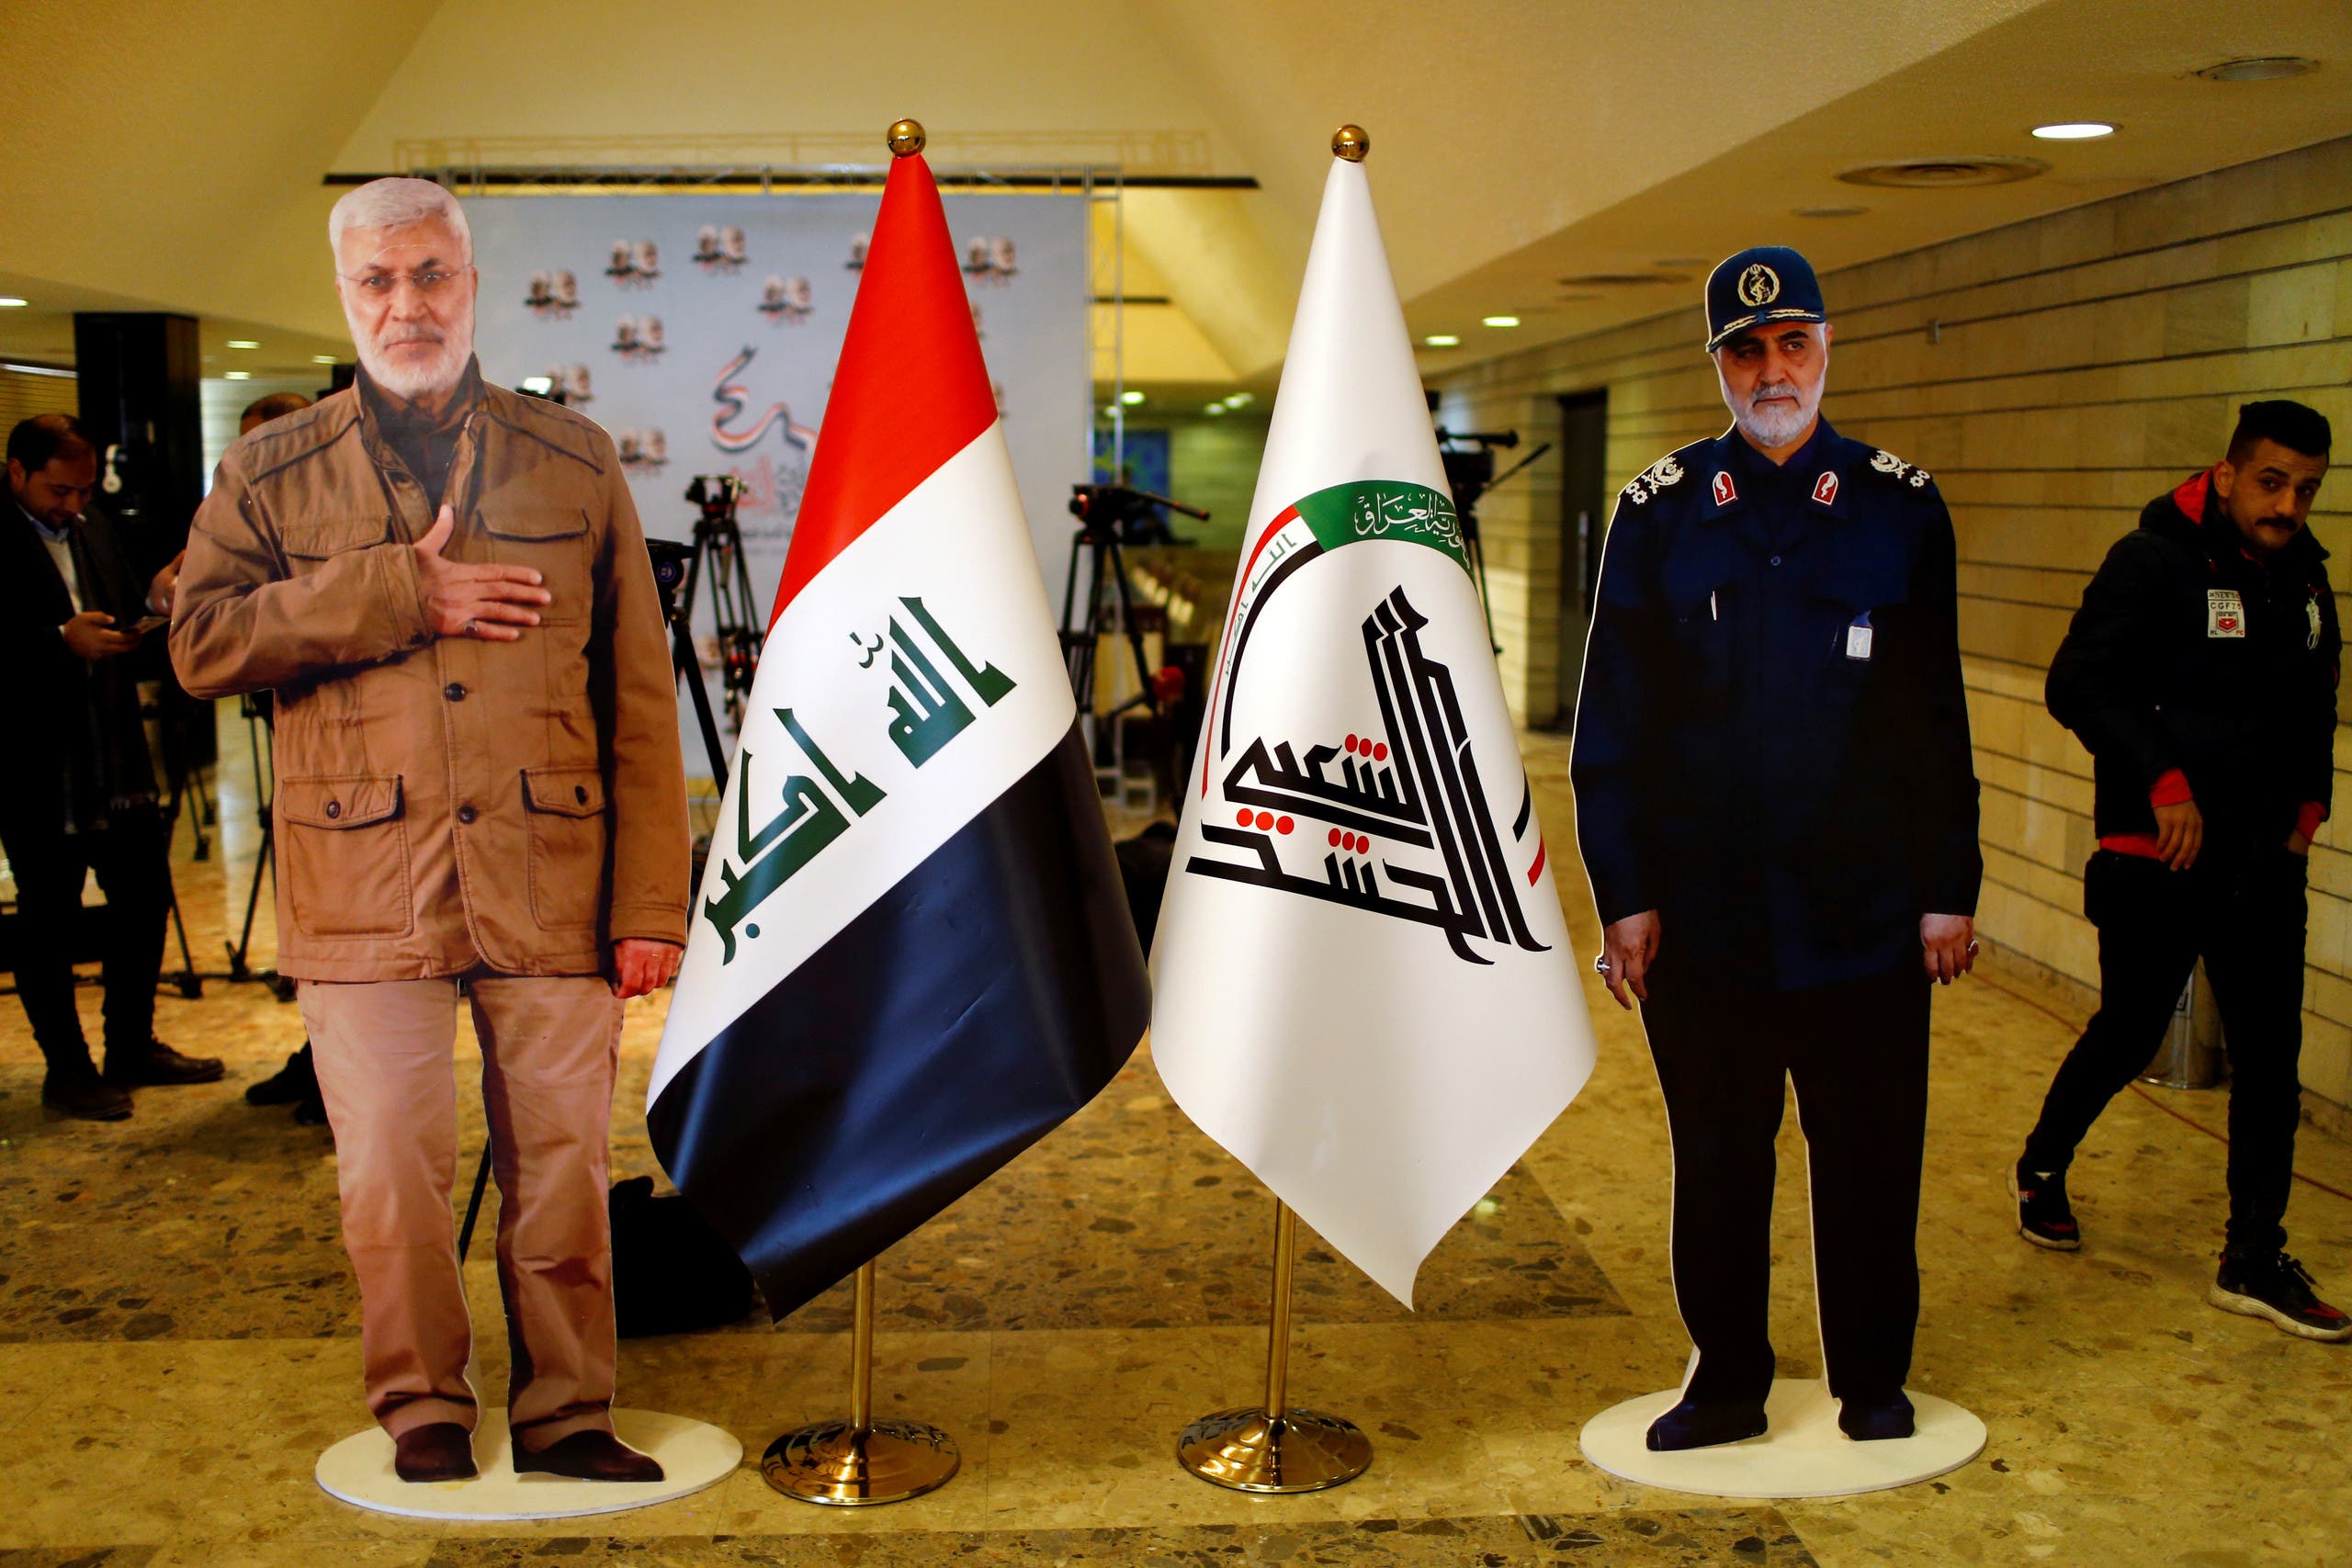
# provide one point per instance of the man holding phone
(80, 793)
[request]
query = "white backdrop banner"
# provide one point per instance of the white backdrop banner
(702, 330)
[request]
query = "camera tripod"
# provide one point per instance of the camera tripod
(1105, 512)
(1469, 458)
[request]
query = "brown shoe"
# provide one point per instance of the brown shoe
(439, 1450)
(159, 1063)
(85, 1096)
(588, 1456)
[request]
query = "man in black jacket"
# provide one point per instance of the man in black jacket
(2201, 672)
(78, 793)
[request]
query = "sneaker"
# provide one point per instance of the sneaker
(2044, 1217)
(2273, 1285)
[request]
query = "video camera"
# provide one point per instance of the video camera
(1469, 457)
(719, 495)
(1131, 516)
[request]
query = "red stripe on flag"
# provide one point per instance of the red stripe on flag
(911, 390)
(1537, 869)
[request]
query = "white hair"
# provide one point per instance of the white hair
(394, 203)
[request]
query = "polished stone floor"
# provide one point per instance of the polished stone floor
(177, 1336)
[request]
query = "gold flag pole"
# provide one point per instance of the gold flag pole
(1273, 1448)
(860, 1461)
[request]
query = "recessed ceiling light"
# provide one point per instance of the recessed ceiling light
(1499, 321)
(2074, 130)
(323, 359)
(1131, 399)
(1944, 173)
(1827, 211)
(1442, 340)
(237, 375)
(1239, 399)
(1214, 408)
(10, 302)
(243, 343)
(2260, 68)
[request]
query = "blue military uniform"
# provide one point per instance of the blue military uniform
(1772, 753)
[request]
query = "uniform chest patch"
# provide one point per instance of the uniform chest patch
(1724, 494)
(2225, 613)
(2311, 613)
(1825, 489)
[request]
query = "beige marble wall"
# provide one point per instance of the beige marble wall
(2053, 376)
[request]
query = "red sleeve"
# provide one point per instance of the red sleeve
(2171, 789)
(2308, 818)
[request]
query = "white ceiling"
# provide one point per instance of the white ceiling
(1515, 143)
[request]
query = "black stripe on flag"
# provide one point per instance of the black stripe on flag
(962, 1016)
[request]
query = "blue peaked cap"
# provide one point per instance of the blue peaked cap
(1763, 283)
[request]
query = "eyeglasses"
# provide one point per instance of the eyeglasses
(429, 282)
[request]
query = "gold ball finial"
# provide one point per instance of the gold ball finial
(906, 139)
(1351, 142)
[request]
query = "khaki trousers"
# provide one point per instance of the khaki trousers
(383, 1052)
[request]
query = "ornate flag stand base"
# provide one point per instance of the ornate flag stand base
(861, 1462)
(1271, 1448)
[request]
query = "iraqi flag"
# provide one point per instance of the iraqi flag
(910, 956)
(1362, 978)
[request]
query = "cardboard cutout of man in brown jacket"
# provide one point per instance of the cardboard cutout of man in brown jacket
(477, 778)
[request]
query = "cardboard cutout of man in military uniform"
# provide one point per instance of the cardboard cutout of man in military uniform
(1777, 808)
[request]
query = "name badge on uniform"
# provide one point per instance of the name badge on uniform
(1858, 637)
(2225, 613)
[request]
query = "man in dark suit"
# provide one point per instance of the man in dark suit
(79, 795)
(1777, 808)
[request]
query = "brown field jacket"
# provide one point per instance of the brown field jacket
(444, 803)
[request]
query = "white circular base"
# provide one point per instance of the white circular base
(1801, 1454)
(692, 1455)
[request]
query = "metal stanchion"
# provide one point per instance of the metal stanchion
(1273, 1448)
(861, 1460)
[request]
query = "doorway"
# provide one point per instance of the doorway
(1584, 519)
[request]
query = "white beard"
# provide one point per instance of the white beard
(1775, 422)
(410, 380)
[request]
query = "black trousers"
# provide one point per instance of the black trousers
(2245, 914)
(1858, 1054)
(131, 860)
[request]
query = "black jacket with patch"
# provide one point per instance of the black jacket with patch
(2186, 653)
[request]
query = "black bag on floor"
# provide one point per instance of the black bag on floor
(1143, 867)
(671, 1273)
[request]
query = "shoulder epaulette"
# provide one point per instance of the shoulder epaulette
(1662, 475)
(1894, 471)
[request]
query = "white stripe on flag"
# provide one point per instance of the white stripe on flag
(960, 543)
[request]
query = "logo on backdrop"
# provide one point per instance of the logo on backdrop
(989, 260)
(637, 338)
(720, 249)
(786, 300)
(553, 295)
(635, 264)
(643, 451)
(728, 433)
(856, 262)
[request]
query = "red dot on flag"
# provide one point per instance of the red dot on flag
(1284, 824)
(1352, 743)
(1265, 819)
(1380, 752)
(1241, 817)
(1354, 843)
(1335, 837)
